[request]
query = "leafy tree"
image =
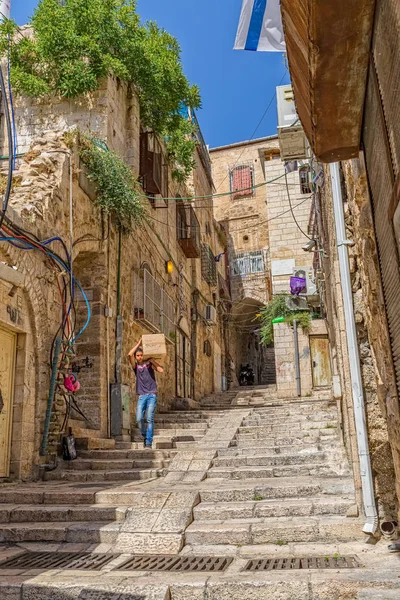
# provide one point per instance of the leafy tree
(76, 43)
(278, 308)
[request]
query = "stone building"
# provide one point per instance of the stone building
(254, 205)
(160, 277)
(353, 120)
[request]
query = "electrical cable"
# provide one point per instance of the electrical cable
(256, 129)
(10, 94)
(249, 226)
(291, 209)
(10, 147)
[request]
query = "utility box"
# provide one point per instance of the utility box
(120, 410)
(154, 346)
(292, 140)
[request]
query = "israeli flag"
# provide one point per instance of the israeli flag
(260, 27)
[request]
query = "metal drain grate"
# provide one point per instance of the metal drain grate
(175, 563)
(82, 561)
(311, 562)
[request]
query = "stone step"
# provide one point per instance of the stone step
(261, 420)
(305, 470)
(277, 488)
(45, 495)
(110, 475)
(83, 464)
(126, 454)
(300, 434)
(181, 424)
(259, 460)
(73, 532)
(279, 531)
(289, 428)
(217, 511)
(12, 513)
(259, 449)
(157, 445)
(89, 443)
(181, 432)
(303, 438)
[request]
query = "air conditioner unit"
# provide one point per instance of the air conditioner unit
(296, 303)
(308, 274)
(211, 314)
(292, 140)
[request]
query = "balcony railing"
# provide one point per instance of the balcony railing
(202, 148)
(188, 230)
(152, 306)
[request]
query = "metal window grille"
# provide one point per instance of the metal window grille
(242, 181)
(305, 183)
(248, 263)
(152, 305)
(208, 265)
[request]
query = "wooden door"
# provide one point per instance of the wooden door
(7, 366)
(320, 361)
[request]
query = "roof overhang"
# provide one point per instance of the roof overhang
(328, 47)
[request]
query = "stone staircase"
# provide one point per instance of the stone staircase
(244, 477)
(284, 479)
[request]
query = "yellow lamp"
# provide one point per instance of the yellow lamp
(169, 267)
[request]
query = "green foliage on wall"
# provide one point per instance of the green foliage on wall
(77, 43)
(278, 308)
(117, 192)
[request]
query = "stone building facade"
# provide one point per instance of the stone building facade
(362, 135)
(113, 269)
(253, 203)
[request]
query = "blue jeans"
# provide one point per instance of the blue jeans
(145, 410)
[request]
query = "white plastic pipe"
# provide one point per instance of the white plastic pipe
(354, 358)
(5, 9)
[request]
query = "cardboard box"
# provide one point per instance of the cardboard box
(154, 346)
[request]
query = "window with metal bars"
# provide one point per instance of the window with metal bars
(242, 181)
(305, 181)
(152, 306)
(248, 263)
(208, 265)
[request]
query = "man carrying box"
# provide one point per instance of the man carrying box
(146, 389)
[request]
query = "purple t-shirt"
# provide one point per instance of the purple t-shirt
(145, 379)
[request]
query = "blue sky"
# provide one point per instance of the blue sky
(236, 86)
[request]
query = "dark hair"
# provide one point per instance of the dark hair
(138, 350)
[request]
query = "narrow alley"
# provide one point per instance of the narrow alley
(199, 300)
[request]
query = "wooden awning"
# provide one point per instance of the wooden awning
(328, 51)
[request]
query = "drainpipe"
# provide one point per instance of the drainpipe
(118, 346)
(297, 357)
(354, 358)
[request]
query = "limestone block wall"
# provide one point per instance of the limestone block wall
(381, 402)
(285, 361)
(285, 238)
(40, 201)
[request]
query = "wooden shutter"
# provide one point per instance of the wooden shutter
(242, 181)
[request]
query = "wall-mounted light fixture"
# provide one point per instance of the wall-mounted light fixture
(169, 267)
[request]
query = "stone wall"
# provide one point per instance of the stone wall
(285, 361)
(375, 358)
(285, 237)
(41, 202)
